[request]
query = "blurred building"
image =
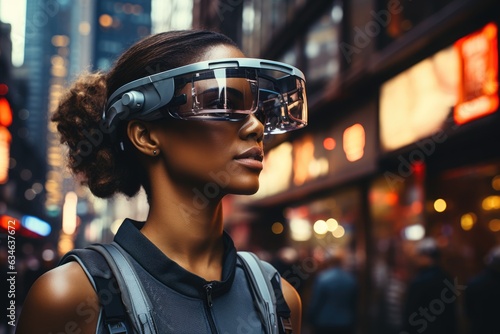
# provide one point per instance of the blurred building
(63, 39)
(402, 141)
(21, 166)
(117, 26)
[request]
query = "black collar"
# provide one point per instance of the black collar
(169, 272)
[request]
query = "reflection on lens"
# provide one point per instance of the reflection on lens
(215, 93)
(283, 103)
(277, 99)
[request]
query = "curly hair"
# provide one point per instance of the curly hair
(92, 154)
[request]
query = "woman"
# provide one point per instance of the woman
(188, 135)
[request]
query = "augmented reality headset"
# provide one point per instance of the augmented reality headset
(221, 90)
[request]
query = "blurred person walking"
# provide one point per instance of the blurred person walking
(431, 297)
(482, 297)
(332, 309)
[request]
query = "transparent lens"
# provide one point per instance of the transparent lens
(276, 98)
(217, 93)
(283, 102)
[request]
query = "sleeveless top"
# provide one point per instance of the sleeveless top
(182, 302)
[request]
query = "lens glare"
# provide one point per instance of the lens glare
(277, 99)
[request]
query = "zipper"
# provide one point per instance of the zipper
(208, 289)
(208, 305)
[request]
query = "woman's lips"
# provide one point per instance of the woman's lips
(251, 158)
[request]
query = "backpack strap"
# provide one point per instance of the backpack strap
(104, 283)
(273, 309)
(133, 295)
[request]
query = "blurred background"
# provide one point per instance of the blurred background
(402, 142)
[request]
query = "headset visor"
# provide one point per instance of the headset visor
(276, 98)
(215, 94)
(226, 89)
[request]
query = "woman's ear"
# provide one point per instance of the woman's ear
(142, 137)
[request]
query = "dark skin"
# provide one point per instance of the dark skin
(190, 154)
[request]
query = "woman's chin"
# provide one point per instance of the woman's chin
(248, 189)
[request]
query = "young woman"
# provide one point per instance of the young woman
(184, 117)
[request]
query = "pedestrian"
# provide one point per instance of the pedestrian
(430, 306)
(332, 309)
(185, 114)
(482, 296)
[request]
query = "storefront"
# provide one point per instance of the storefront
(419, 160)
(440, 170)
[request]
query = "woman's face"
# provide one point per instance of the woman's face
(213, 158)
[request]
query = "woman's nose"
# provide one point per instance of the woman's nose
(252, 128)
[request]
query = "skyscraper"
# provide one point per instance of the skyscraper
(117, 26)
(63, 38)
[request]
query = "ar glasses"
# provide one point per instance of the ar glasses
(220, 90)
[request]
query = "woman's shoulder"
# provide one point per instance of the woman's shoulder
(294, 302)
(61, 300)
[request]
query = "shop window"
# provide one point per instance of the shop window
(261, 19)
(469, 225)
(326, 224)
(322, 46)
(397, 215)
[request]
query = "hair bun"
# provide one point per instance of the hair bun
(91, 155)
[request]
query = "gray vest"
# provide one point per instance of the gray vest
(184, 303)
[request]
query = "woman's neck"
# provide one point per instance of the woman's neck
(188, 234)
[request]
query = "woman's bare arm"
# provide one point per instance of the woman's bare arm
(294, 303)
(60, 301)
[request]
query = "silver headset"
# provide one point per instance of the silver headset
(225, 89)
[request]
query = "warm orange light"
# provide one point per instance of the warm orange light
(60, 41)
(491, 203)
(354, 142)
(494, 225)
(303, 156)
(5, 139)
(329, 143)
(495, 183)
(478, 88)
(440, 205)
(69, 218)
(105, 20)
(416, 207)
(391, 198)
(277, 228)
(467, 221)
(5, 112)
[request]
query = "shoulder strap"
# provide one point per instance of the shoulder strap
(275, 314)
(104, 283)
(133, 294)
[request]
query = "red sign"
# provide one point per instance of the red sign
(478, 86)
(5, 112)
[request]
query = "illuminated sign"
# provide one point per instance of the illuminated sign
(36, 225)
(9, 223)
(415, 104)
(478, 87)
(5, 139)
(5, 136)
(354, 142)
(5, 112)
(27, 226)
